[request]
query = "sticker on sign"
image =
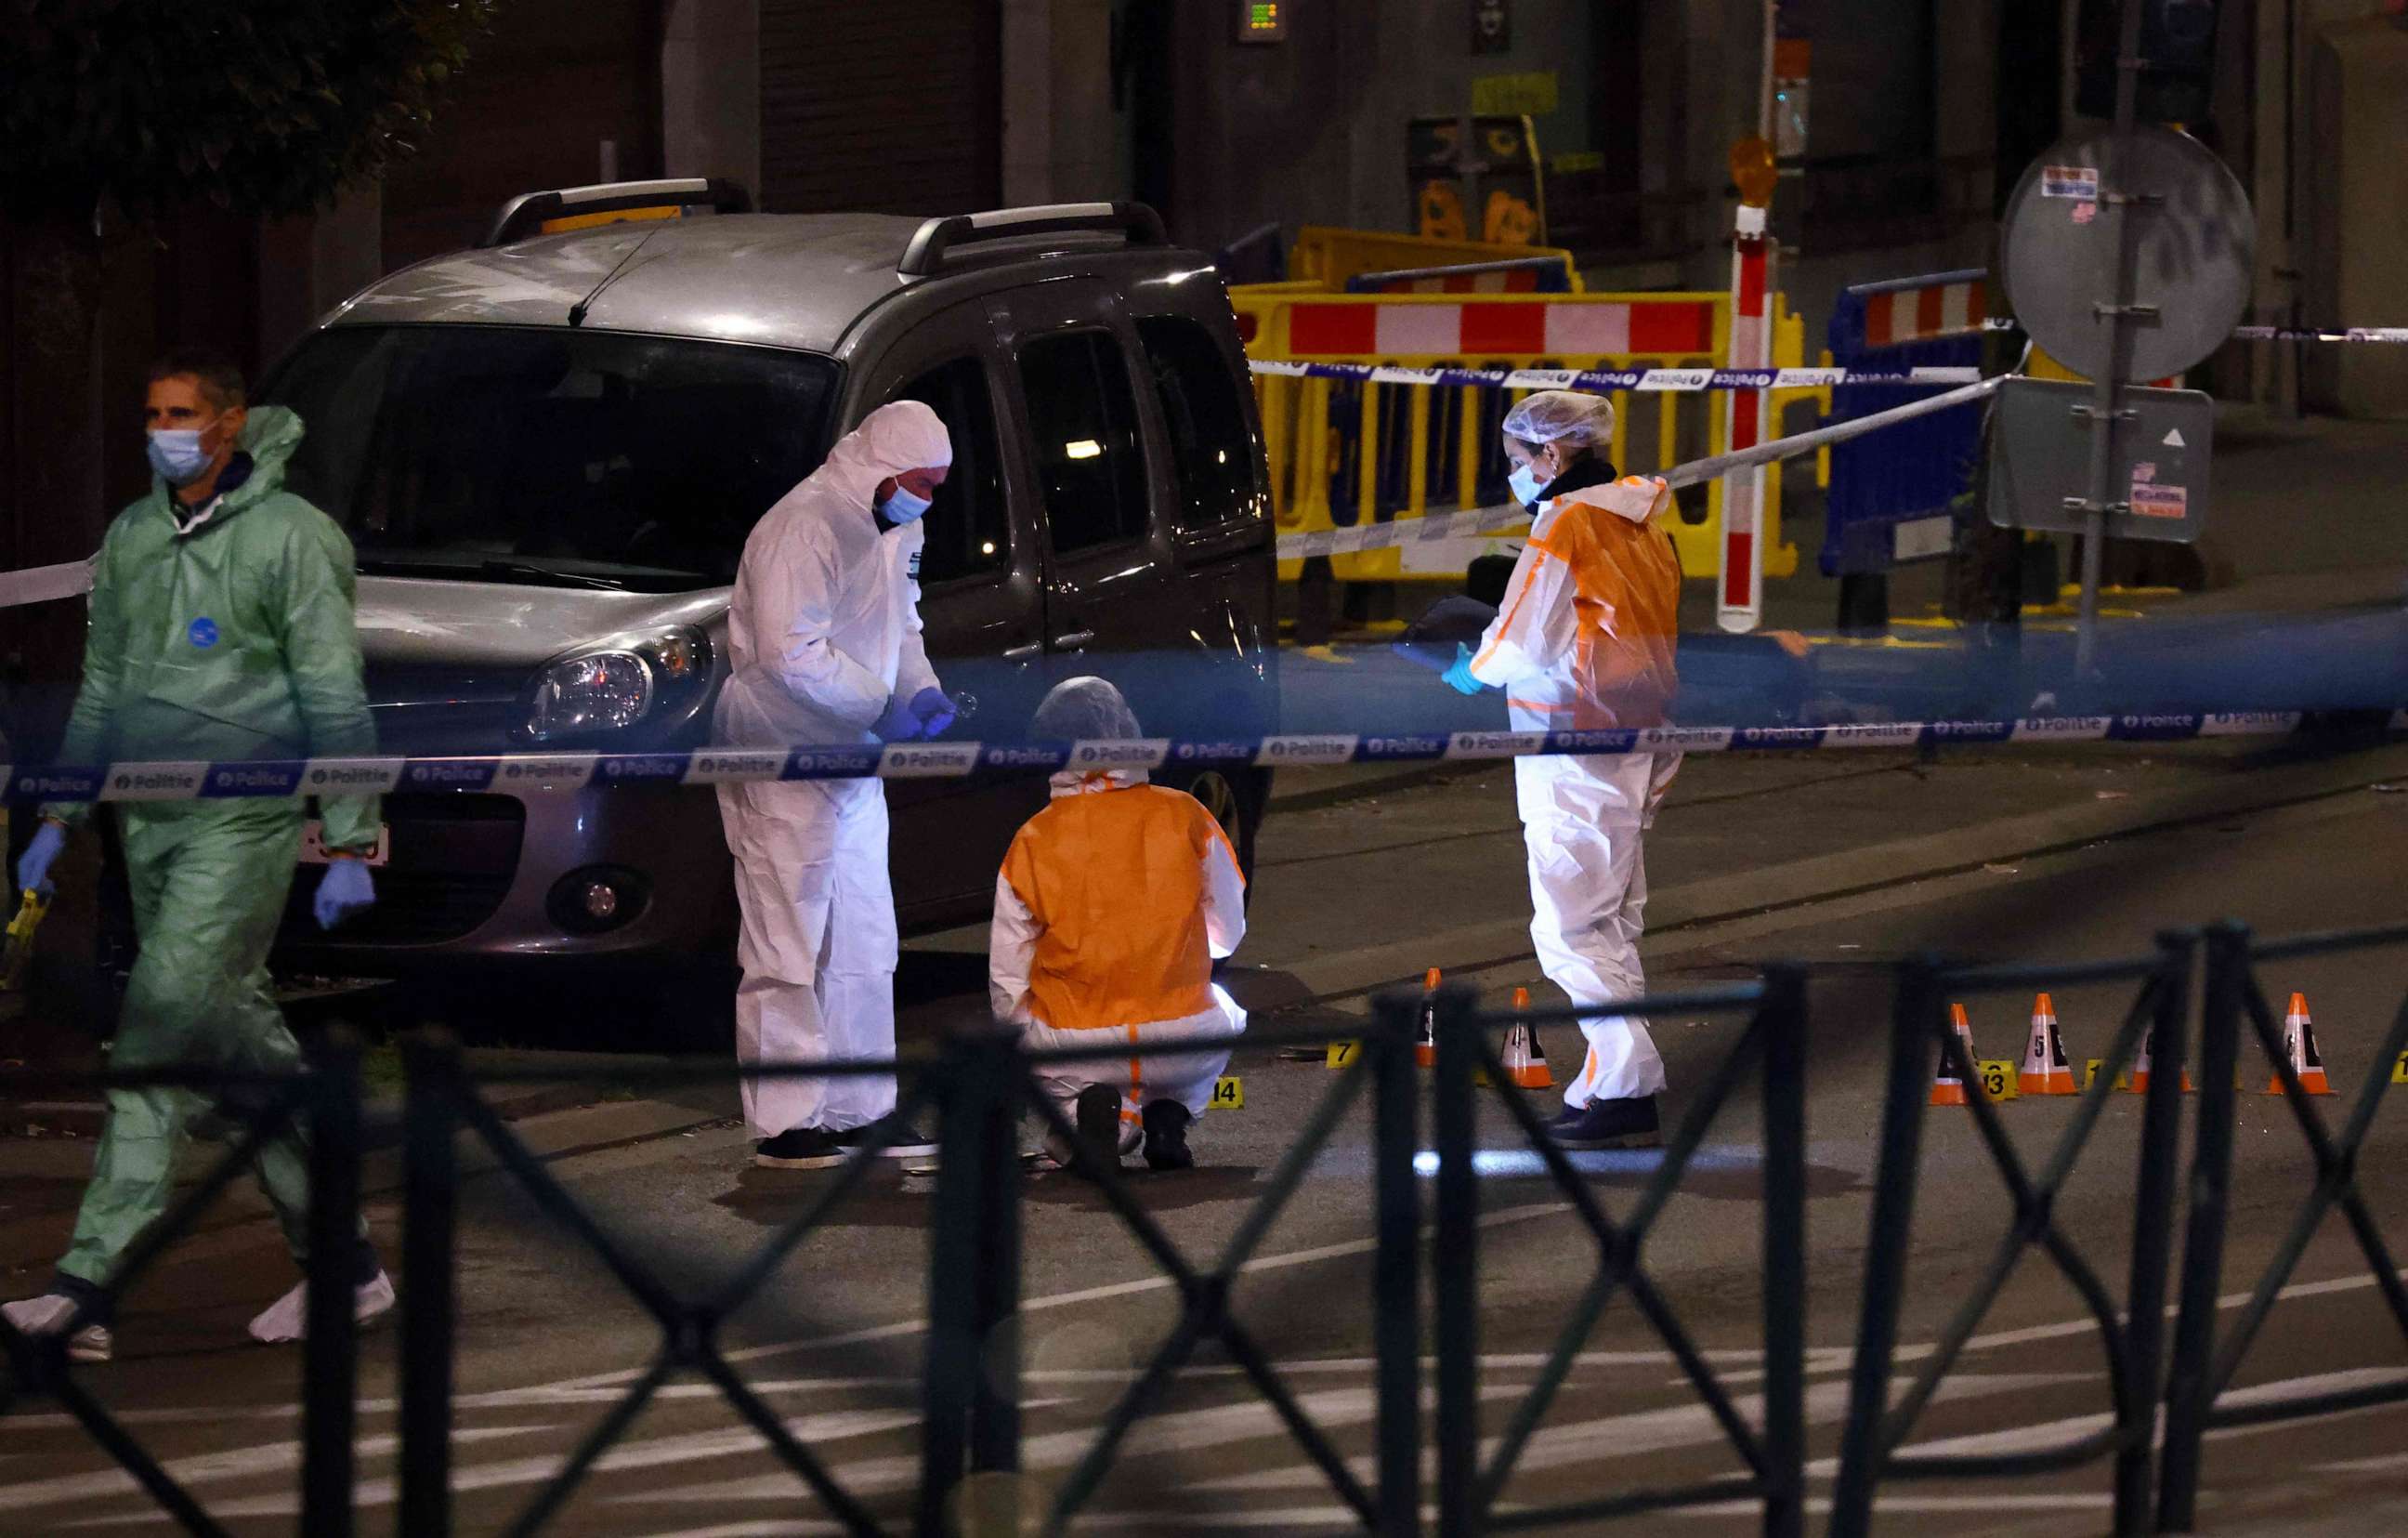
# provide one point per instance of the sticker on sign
(2080, 181)
(1920, 538)
(2155, 501)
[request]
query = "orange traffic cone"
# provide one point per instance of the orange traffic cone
(2300, 1045)
(2046, 1069)
(1426, 1045)
(1525, 1062)
(1946, 1089)
(2140, 1081)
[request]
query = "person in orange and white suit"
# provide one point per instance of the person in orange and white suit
(1584, 642)
(1111, 908)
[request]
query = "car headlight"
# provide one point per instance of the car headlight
(617, 685)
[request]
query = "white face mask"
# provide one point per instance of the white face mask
(1525, 484)
(902, 507)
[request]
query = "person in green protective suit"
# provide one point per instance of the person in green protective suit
(221, 629)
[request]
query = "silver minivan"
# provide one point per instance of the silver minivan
(548, 452)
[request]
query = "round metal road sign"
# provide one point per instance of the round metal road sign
(2194, 244)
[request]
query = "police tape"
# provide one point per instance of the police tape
(2395, 335)
(551, 774)
(1508, 519)
(1602, 381)
(45, 583)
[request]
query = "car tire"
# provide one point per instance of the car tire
(1236, 798)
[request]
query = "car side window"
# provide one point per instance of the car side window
(968, 523)
(1081, 417)
(1212, 447)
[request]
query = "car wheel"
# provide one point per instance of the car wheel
(1235, 798)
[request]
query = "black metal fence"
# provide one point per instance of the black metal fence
(979, 1087)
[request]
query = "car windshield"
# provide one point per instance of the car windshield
(551, 457)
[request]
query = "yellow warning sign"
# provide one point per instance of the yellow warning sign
(1343, 1054)
(1229, 1093)
(1998, 1076)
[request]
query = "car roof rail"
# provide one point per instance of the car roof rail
(610, 203)
(926, 254)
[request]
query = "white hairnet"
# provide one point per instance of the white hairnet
(1085, 709)
(1570, 417)
(901, 435)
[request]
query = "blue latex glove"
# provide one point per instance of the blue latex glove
(346, 889)
(935, 709)
(1459, 676)
(34, 864)
(900, 723)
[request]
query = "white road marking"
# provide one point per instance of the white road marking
(1642, 1432)
(1934, 1504)
(1179, 1432)
(1086, 1295)
(213, 1468)
(2052, 1433)
(651, 1453)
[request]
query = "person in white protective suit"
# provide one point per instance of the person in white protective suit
(1584, 641)
(1111, 908)
(825, 648)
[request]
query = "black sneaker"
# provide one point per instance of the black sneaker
(1166, 1136)
(1098, 1116)
(1609, 1124)
(799, 1148)
(907, 1142)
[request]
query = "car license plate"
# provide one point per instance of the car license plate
(313, 844)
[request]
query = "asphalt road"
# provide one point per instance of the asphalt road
(1851, 863)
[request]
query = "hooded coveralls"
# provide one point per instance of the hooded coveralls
(230, 638)
(1584, 642)
(1113, 903)
(824, 629)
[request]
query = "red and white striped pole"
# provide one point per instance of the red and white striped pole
(1741, 604)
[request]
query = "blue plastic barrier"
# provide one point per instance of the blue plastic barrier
(1914, 470)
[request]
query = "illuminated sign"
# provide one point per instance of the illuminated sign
(1262, 21)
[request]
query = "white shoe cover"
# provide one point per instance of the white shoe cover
(48, 1315)
(288, 1317)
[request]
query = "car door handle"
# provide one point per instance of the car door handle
(1072, 642)
(1023, 653)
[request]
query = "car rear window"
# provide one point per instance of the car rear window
(1211, 441)
(574, 458)
(1083, 425)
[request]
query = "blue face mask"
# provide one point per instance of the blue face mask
(902, 507)
(1525, 484)
(177, 455)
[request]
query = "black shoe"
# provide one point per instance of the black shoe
(800, 1148)
(1166, 1135)
(1098, 1116)
(905, 1142)
(1609, 1124)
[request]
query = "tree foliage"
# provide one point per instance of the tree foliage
(262, 107)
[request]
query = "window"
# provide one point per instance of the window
(1089, 463)
(1212, 444)
(581, 458)
(968, 523)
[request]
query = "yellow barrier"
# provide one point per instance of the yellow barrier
(1395, 441)
(1327, 255)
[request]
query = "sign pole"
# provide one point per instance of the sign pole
(2120, 312)
(1741, 605)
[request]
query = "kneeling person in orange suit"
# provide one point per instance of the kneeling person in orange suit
(1113, 903)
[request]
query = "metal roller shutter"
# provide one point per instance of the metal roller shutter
(893, 107)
